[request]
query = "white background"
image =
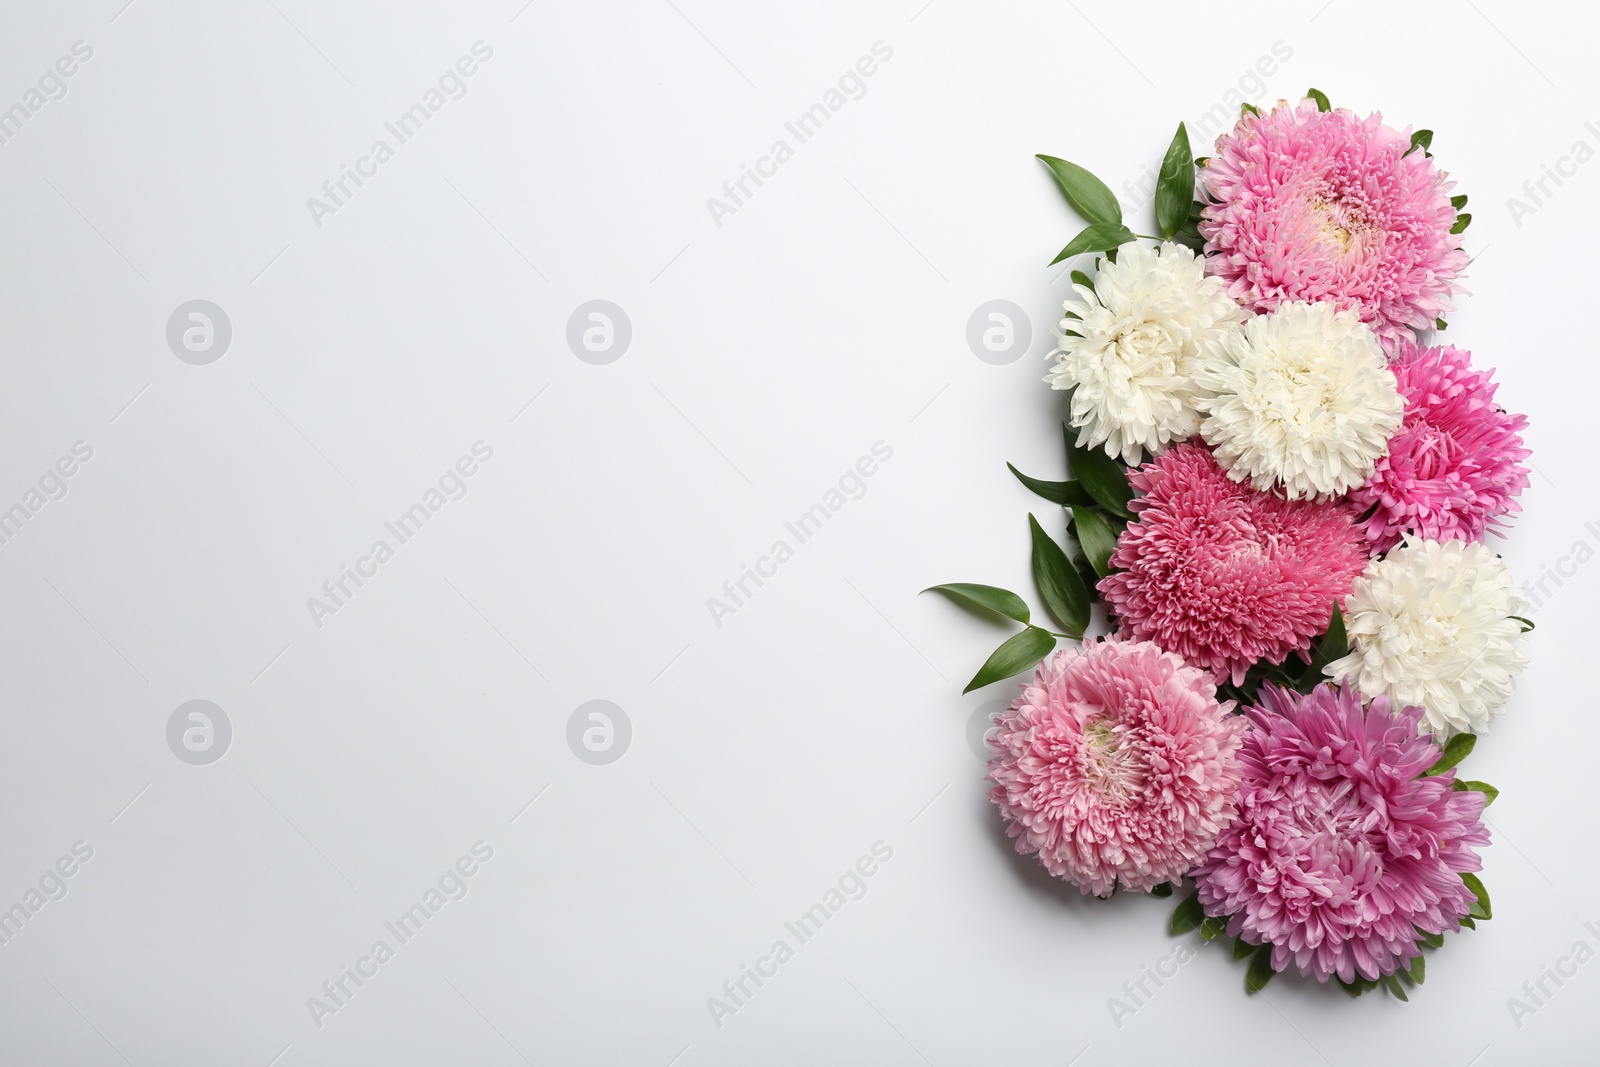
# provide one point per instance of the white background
(768, 354)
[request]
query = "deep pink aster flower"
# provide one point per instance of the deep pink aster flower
(1341, 852)
(1225, 575)
(1455, 467)
(1117, 764)
(1316, 205)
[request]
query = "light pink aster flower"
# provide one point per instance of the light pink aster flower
(1455, 468)
(1117, 764)
(1322, 205)
(1341, 852)
(1225, 575)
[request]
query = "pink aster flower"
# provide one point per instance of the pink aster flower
(1455, 467)
(1322, 205)
(1341, 852)
(1225, 575)
(1117, 764)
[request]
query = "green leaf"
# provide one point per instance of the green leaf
(1353, 988)
(1213, 927)
(1080, 278)
(1455, 750)
(1321, 98)
(1422, 139)
(1527, 624)
(1419, 969)
(1063, 592)
(1260, 972)
(1097, 237)
(1188, 915)
(1466, 920)
(988, 597)
(1489, 792)
(1463, 220)
(1097, 537)
(1067, 494)
(1334, 645)
(1088, 195)
(1440, 324)
(1242, 948)
(1481, 909)
(1431, 940)
(1249, 109)
(1175, 187)
(1102, 477)
(1162, 890)
(1458, 202)
(1395, 988)
(1019, 653)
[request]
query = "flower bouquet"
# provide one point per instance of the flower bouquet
(1280, 488)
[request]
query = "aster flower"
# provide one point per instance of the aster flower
(1224, 575)
(1301, 397)
(1314, 205)
(1342, 853)
(1116, 765)
(1455, 467)
(1137, 332)
(1433, 623)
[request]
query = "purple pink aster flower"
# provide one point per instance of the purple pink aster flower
(1455, 468)
(1225, 575)
(1116, 765)
(1322, 205)
(1342, 855)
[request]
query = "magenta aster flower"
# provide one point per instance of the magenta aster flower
(1117, 764)
(1341, 852)
(1322, 205)
(1455, 467)
(1225, 575)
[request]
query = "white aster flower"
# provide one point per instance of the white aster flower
(1432, 625)
(1139, 331)
(1302, 396)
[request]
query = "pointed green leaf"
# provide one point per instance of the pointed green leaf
(1067, 494)
(1431, 940)
(1096, 535)
(1466, 920)
(1463, 220)
(987, 597)
(1018, 654)
(1527, 624)
(1419, 969)
(1097, 237)
(1481, 909)
(1455, 750)
(1260, 972)
(1440, 324)
(1080, 278)
(1249, 109)
(1175, 187)
(1213, 927)
(1101, 476)
(1489, 792)
(1188, 915)
(1349, 987)
(1395, 988)
(1162, 890)
(1088, 195)
(1422, 139)
(1242, 948)
(1321, 98)
(1333, 645)
(1458, 202)
(1063, 592)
